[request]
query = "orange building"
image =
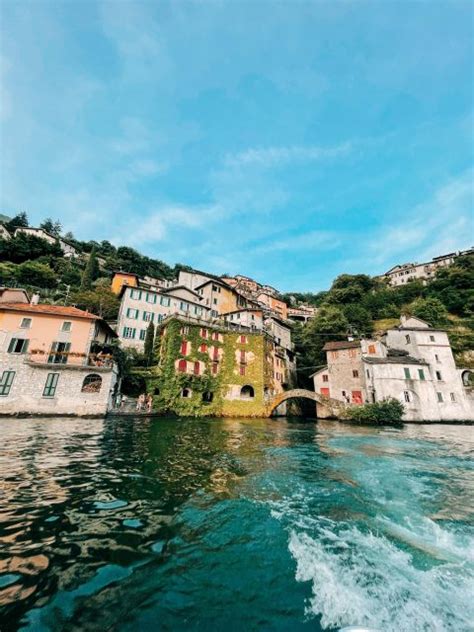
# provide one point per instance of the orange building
(123, 278)
(279, 307)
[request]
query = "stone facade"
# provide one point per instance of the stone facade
(28, 393)
(413, 363)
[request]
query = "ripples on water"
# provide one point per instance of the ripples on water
(234, 525)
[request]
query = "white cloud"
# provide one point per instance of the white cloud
(276, 156)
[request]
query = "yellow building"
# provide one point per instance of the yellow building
(123, 278)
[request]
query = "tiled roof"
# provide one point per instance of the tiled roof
(54, 310)
(393, 360)
(341, 344)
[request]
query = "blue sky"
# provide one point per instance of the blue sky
(290, 141)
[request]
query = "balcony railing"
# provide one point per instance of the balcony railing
(70, 359)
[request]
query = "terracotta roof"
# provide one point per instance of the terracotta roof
(341, 344)
(54, 310)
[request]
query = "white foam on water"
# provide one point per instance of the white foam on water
(364, 579)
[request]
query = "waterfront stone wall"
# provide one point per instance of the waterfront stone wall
(26, 395)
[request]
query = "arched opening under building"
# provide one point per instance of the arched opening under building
(186, 393)
(207, 397)
(247, 392)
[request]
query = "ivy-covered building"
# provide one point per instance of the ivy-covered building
(206, 369)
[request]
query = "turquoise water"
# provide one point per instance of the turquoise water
(235, 525)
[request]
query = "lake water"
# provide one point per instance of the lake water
(235, 525)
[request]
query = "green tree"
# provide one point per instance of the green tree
(430, 309)
(19, 221)
(100, 301)
(91, 271)
(359, 319)
(51, 227)
(27, 247)
(36, 274)
(149, 342)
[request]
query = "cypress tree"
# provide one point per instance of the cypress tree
(149, 340)
(91, 270)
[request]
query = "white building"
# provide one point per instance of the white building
(403, 273)
(413, 363)
(68, 249)
(250, 318)
(140, 305)
(4, 234)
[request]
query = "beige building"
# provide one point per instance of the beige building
(413, 363)
(54, 360)
(403, 273)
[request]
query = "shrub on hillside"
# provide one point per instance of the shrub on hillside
(388, 411)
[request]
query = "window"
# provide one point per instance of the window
(25, 323)
(440, 396)
(334, 355)
(368, 373)
(150, 298)
(352, 353)
(203, 333)
(165, 301)
(406, 396)
(215, 354)
(437, 358)
(407, 339)
(214, 313)
(92, 383)
(182, 365)
(325, 378)
(432, 338)
(184, 347)
(438, 376)
(142, 334)
(184, 330)
(198, 310)
(247, 392)
(18, 345)
(137, 294)
(159, 318)
(215, 335)
(132, 313)
(50, 386)
(214, 301)
(183, 306)
(357, 397)
(355, 373)
(187, 393)
(59, 353)
(242, 357)
(66, 326)
(453, 397)
(148, 316)
(207, 397)
(243, 340)
(203, 348)
(129, 332)
(6, 382)
(197, 368)
(407, 373)
(215, 368)
(421, 374)
(242, 369)
(371, 349)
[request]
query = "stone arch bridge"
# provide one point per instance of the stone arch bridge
(327, 407)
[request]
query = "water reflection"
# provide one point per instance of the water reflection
(116, 524)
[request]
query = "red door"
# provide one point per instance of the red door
(325, 391)
(357, 397)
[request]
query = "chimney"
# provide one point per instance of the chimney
(35, 299)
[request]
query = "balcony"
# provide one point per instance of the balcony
(70, 360)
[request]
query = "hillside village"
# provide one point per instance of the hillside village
(86, 327)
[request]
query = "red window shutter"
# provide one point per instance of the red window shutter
(357, 397)
(197, 368)
(215, 367)
(215, 336)
(372, 349)
(203, 348)
(203, 333)
(243, 339)
(182, 366)
(184, 348)
(242, 369)
(325, 391)
(215, 353)
(242, 357)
